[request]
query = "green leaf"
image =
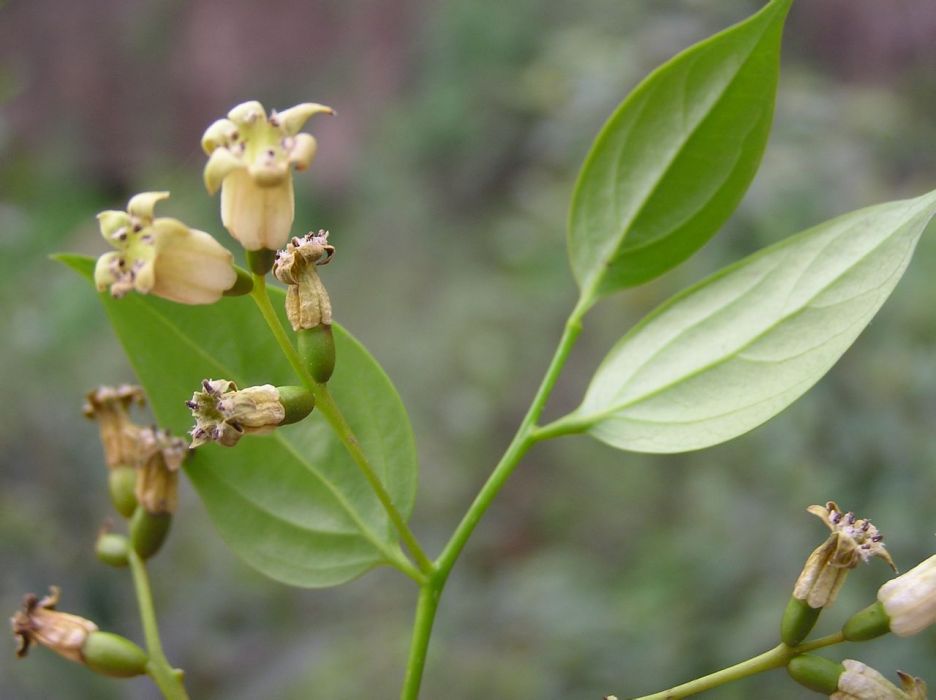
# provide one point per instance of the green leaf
(673, 161)
(292, 504)
(731, 352)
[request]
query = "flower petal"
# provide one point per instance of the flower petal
(142, 205)
(221, 133)
(104, 270)
(303, 151)
(221, 164)
(247, 113)
(294, 118)
(111, 221)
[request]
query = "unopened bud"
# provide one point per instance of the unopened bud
(148, 531)
(224, 414)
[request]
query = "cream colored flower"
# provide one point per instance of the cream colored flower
(852, 540)
(161, 256)
(910, 600)
(861, 682)
(250, 155)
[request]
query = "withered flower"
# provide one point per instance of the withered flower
(224, 414)
(307, 301)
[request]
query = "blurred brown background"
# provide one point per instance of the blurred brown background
(444, 181)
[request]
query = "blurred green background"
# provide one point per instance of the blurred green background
(445, 181)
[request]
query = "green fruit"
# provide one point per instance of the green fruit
(317, 349)
(148, 531)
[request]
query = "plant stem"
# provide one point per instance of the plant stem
(325, 403)
(429, 595)
(526, 436)
(777, 657)
(159, 669)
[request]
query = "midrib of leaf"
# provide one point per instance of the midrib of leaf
(223, 371)
(600, 415)
(611, 251)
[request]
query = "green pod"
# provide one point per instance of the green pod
(317, 350)
(148, 531)
(242, 285)
(297, 401)
(112, 549)
(867, 624)
(121, 482)
(260, 261)
(113, 655)
(798, 621)
(816, 673)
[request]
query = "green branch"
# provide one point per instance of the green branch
(158, 668)
(325, 403)
(526, 436)
(778, 657)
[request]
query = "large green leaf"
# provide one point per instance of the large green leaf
(675, 158)
(731, 352)
(292, 504)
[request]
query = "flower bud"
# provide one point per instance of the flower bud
(224, 414)
(111, 548)
(307, 302)
(909, 601)
(148, 531)
(250, 155)
(112, 655)
(158, 479)
(161, 256)
(38, 622)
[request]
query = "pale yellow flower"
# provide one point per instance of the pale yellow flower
(161, 256)
(250, 155)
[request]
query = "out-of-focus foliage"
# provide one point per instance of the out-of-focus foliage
(445, 181)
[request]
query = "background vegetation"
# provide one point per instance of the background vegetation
(445, 181)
